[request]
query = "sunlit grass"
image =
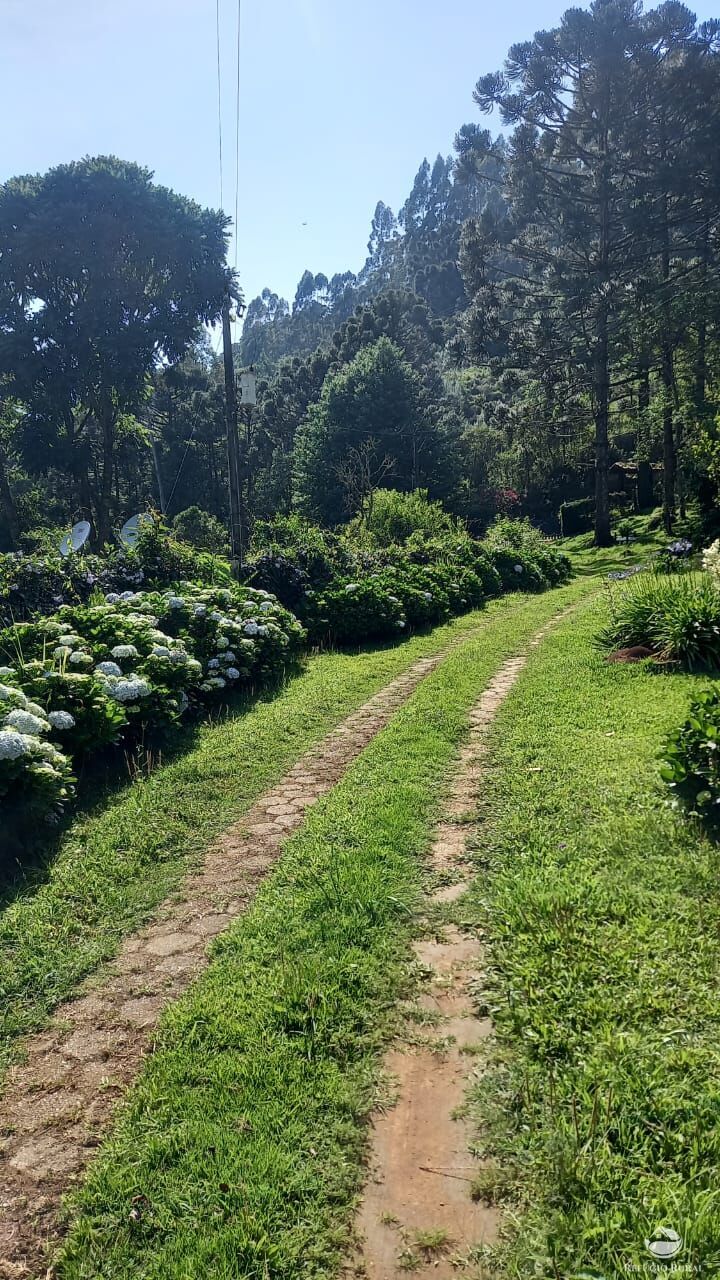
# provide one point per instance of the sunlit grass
(602, 910)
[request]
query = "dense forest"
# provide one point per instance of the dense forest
(534, 332)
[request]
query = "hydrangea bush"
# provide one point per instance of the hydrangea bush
(35, 776)
(91, 675)
(692, 755)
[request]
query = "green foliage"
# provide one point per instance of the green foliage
(353, 612)
(677, 617)
(201, 530)
(392, 516)
(35, 777)
(152, 266)
(39, 583)
(692, 754)
(104, 672)
(576, 517)
(599, 908)
(363, 427)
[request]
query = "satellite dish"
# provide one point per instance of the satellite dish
(131, 529)
(76, 538)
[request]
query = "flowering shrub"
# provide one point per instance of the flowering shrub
(351, 612)
(35, 584)
(692, 754)
(35, 777)
(92, 674)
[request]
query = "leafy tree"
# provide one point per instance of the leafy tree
(375, 398)
(103, 276)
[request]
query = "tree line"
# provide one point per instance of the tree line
(537, 326)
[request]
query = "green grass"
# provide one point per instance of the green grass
(601, 907)
(239, 1151)
(114, 865)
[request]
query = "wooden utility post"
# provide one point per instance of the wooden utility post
(233, 445)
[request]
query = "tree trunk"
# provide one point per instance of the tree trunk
(603, 536)
(669, 455)
(106, 418)
(644, 496)
(7, 504)
(700, 378)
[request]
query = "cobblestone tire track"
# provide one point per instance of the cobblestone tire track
(59, 1098)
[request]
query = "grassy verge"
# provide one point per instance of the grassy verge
(240, 1148)
(116, 864)
(602, 910)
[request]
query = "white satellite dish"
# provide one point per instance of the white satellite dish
(131, 529)
(76, 538)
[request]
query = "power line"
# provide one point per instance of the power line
(219, 96)
(237, 134)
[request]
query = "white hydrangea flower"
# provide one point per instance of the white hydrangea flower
(62, 651)
(27, 723)
(13, 745)
(160, 651)
(128, 595)
(61, 720)
(71, 640)
(130, 689)
(178, 655)
(518, 568)
(351, 586)
(427, 595)
(112, 597)
(175, 602)
(6, 692)
(107, 669)
(222, 643)
(80, 659)
(266, 606)
(124, 651)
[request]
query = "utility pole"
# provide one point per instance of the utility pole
(233, 447)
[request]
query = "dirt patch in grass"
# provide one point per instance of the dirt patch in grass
(417, 1211)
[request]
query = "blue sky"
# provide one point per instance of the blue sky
(339, 102)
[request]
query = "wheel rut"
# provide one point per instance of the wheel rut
(417, 1213)
(59, 1099)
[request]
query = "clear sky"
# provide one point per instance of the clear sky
(340, 101)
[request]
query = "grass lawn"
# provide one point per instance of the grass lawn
(239, 1151)
(115, 864)
(601, 909)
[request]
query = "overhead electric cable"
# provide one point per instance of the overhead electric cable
(219, 96)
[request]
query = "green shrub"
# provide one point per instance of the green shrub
(35, 777)
(351, 612)
(692, 754)
(677, 617)
(576, 517)
(201, 530)
(394, 516)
